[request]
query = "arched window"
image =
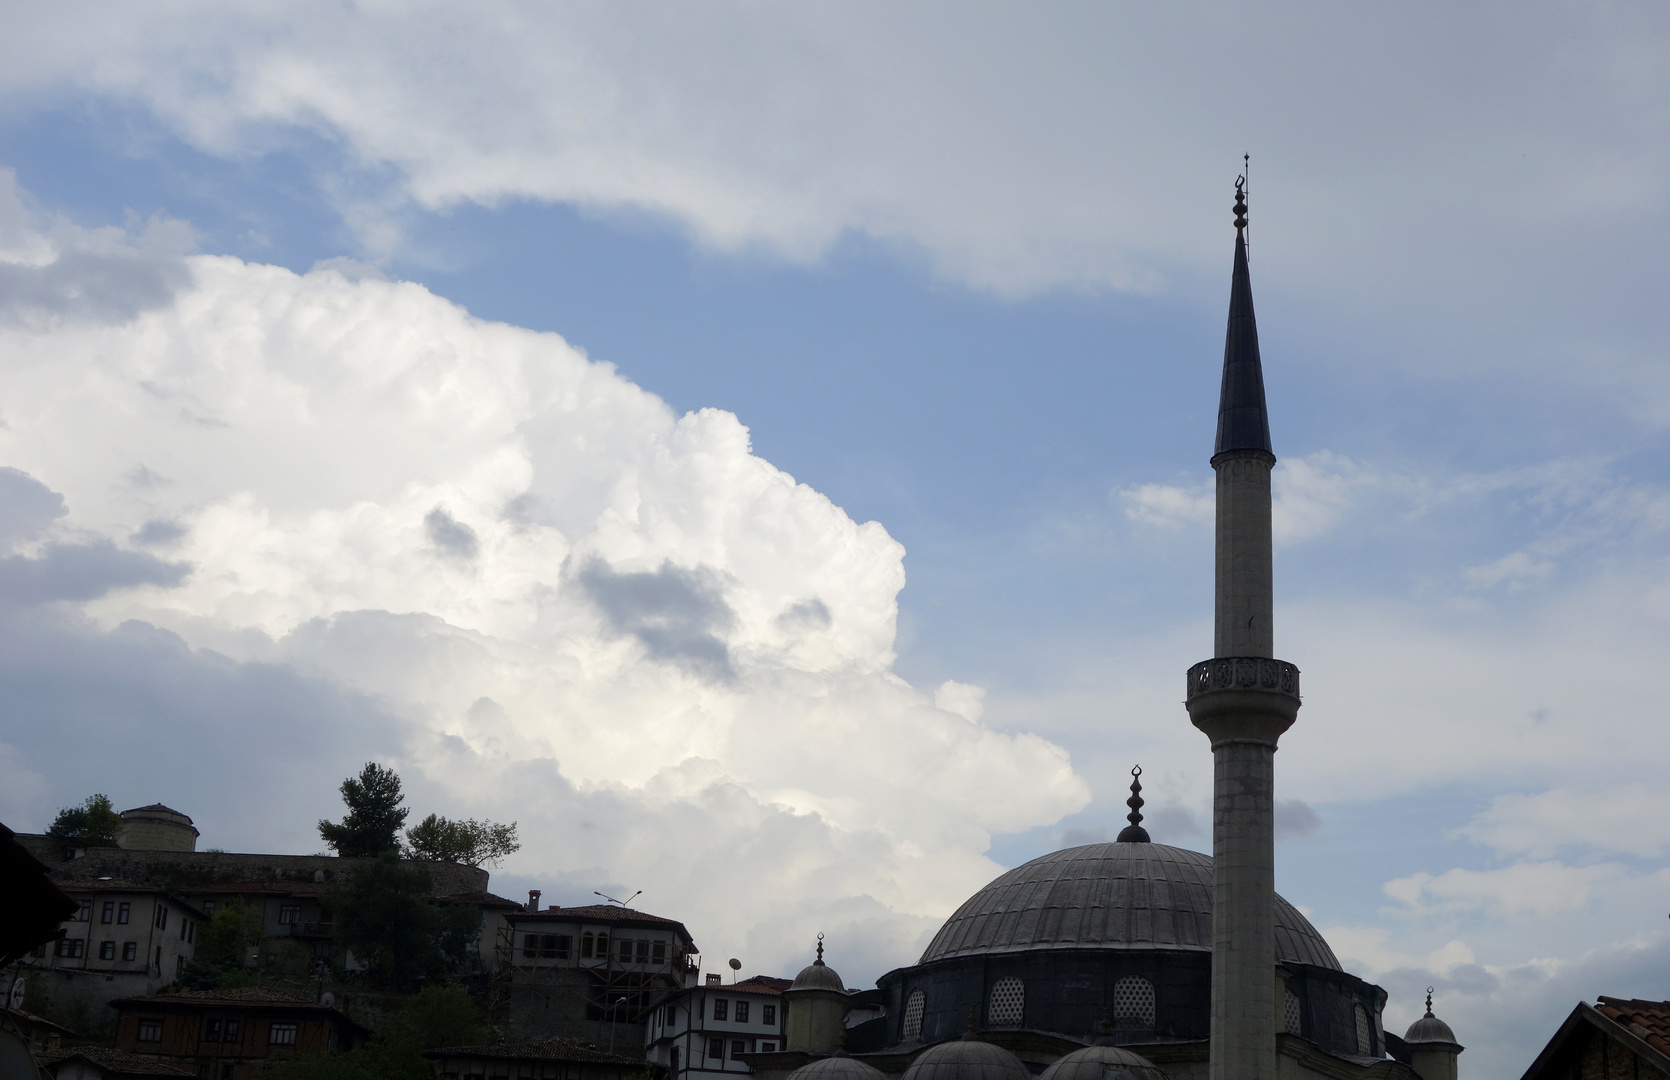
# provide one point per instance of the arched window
(1292, 1020)
(1133, 1003)
(914, 1007)
(1007, 1004)
(1365, 1033)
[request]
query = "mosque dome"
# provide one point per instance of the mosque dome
(839, 1066)
(967, 1058)
(1118, 896)
(819, 976)
(1099, 1062)
(1429, 1029)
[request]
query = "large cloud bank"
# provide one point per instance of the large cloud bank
(543, 594)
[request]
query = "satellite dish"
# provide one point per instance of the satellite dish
(328, 1000)
(736, 965)
(15, 999)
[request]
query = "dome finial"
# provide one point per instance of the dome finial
(819, 960)
(1134, 833)
(1429, 1001)
(1241, 193)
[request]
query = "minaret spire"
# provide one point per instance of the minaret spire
(1243, 699)
(1134, 833)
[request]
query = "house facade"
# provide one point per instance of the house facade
(124, 939)
(704, 1031)
(231, 1034)
(544, 1059)
(589, 973)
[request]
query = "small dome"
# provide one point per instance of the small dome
(819, 976)
(967, 1058)
(1097, 1062)
(840, 1066)
(1429, 1029)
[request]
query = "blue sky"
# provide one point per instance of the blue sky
(965, 279)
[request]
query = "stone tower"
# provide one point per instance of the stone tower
(1243, 699)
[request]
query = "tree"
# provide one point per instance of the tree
(372, 824)
(384, 915)
(94, 823)
(470, 842)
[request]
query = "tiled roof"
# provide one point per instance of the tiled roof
(553, 1049)
(758, 984)
(231, 995)
(1647, 1020)
(119, 1062)
(604, 913)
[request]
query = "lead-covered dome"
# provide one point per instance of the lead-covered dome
(1108, 896)
(838, 1066)
(1101, 1062)
(967, 1059)
(818, 976)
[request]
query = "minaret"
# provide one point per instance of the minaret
(1243, 699)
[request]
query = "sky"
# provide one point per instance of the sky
(762, 451)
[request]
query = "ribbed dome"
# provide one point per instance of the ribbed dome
(967, 1059)
(1429, 1029)
(839, 1067)
(1108, 896)
(1097, 1062)
(818, 976)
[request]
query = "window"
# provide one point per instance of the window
(70, 947)
(768, 1014)
(150, 1031)
(659, 948)
(626, 952)
(123, 910)
(1007, 1003)
(211, 1030)
(643, 952)
(738, 1048)
(742, 1012)
(914, 1006)
(602, 946)
(1365, 1033)
(555, 946)
(1133, 1003)
(179, 966)
(231, 1034)
(721, 1009)
(86, 912)
(185, 925)
(208, 907)
(585, 946)
(107, 950)
(768, 1047)
(716, 1048)
(1292, 1018)
(130, 950)
(672, 1015)
(289, 914)
(161, 920)
(530, 946)
(159, 960)
(109, 911)
(282, 1035)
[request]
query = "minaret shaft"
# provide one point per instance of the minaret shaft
(1243, 699)
(1244, 594)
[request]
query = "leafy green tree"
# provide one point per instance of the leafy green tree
(94, 823)
(384, 915)
(372, 824)
(469, 841)
(442, 1016)
(225, 939)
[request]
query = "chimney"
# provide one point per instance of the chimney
(714, 979)
(533, 899)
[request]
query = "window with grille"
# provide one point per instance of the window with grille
(1007, 1003)
(721, 1009)
(768, 1014)
(282, 1035)
(1291, 1019)
(130, 950)
(742, 1012)
(914, 1007)
(109, 912)
(1365, 1033)
(71, 947)
(123, 911)
(716, 1048)
(1133, 1003)
(768, 1048)
(660, 948)
(738, 1048)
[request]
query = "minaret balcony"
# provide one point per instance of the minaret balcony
(1239, 699)
(1243, 673)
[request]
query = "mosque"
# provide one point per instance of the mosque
(1134, 960)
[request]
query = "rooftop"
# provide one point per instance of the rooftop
(553, 1049)
(1647, 1020)
(118, 1062)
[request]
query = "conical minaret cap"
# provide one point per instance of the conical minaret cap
(1243, 422)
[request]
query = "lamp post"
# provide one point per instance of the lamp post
(614, 1018)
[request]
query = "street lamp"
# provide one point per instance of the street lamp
(614, 1018)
